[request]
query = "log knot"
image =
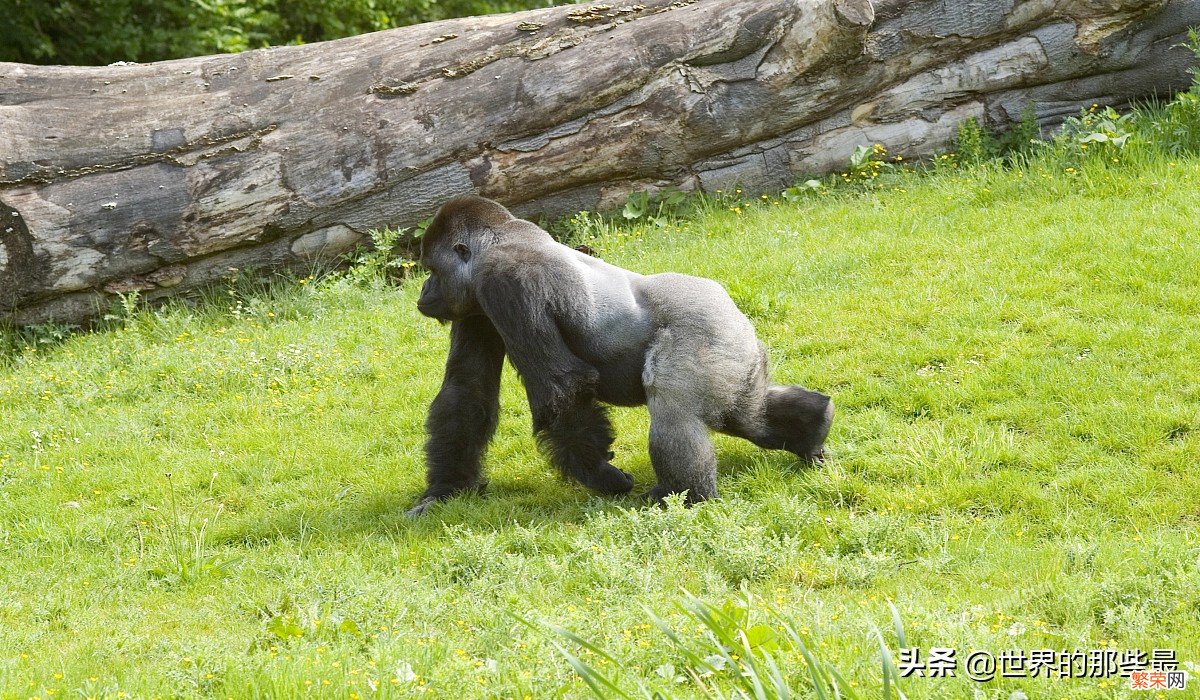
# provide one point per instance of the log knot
(392, 89)
(19, 269)
(168, 276)
(597, 13)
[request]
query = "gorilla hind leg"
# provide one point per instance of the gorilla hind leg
(681, 452)
(794, 419)
(578, 442)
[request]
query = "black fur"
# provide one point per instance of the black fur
(791, 411)
(578, 330)
(464, 414)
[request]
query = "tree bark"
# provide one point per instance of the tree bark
(161, 177)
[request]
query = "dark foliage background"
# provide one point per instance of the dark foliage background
(98, 32)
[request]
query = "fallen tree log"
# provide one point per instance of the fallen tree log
(161, 177)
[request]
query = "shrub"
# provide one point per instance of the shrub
(97, 32)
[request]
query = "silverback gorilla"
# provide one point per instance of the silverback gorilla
(580, 331)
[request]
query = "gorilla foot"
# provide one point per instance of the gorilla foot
(434, 495)
(422, 507)
(607, 480)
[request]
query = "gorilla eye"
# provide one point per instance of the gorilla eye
(463, 251)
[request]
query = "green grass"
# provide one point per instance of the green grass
(208, 502)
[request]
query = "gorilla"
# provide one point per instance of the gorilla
(580, 331)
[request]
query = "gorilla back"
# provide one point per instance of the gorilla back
(580, 331)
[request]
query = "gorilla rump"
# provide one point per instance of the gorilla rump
(580, 331)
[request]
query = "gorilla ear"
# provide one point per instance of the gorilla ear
(463, 251)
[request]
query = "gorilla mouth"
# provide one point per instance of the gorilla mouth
(428, 313)
(427, 310)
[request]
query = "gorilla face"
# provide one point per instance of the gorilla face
(447, 294)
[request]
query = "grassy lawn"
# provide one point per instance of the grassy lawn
(209, 502)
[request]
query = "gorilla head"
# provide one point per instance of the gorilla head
(446, 251)
(579, 332)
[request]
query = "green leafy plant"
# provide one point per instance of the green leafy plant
(422, 226)
(313, 621)
(1023, 137)
(871, 169)
(380, 263)
(658, 208)
(1175, 126)
(125, 309)
(746, 648)
(1111, 129)
(973, 143)
(16, 340)
(583, 229)
(187, 555)
(1096, 126)
(862, 158)
(636, 205)
(1193, 45)
(797, 192)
